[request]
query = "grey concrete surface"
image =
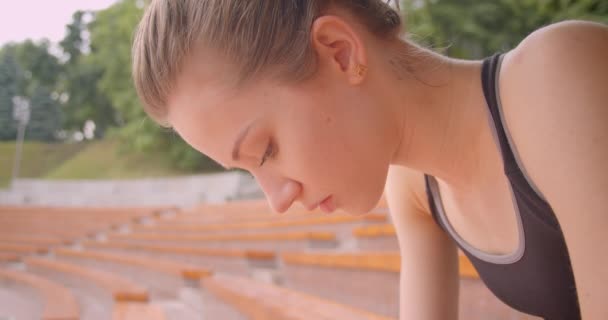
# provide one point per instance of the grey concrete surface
(178, 191)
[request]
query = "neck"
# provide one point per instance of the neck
(444, 126)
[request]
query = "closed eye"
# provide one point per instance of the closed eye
(270, 152)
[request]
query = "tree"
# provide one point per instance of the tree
(40, 67)
(111, 40)
(476, 29)
(7, 125)
(73, 42)
(85, 100)
(10, 80)
(33, 74)
(80, 81)
(45, 116)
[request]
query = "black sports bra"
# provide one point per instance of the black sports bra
(537, 278)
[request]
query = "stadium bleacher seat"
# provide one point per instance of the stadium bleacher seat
(258, 300)
(57, 301)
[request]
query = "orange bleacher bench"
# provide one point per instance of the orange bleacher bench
(59, 303)
(130, 300)
(119, 213)
(285, 236)
(262, 241)
(137, 311)
(226, 260)
(121, 289)
(9, 257)
(22, 248)
(160, 265)
(268, 224)
(380, 230)
(32, 240)
(56, 225)
(378, 237)
(368, 280)
(368, 261)
(258, 301)
(231, 253)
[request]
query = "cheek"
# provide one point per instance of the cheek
(328, 158)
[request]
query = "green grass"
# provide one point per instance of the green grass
(92, 160)
(37, 158)
(103, 160)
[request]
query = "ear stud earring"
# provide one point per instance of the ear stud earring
(360, 70)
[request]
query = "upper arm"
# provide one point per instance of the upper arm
(556, 96)
(429, 261)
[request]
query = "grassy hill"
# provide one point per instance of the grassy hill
(91, 160)
(104, 160)
(37, 158)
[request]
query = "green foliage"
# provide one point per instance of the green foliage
(10, 77)
(73, 42)
(111, 40)
(40, 67)
(144, 135)
(476, 29)
(29, 70)
(86, 101)
(80, 81)
(8, 129)
(45, 116)
(94, 83)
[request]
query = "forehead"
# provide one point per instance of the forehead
(202, 85)
(208, 111)
(210, 79)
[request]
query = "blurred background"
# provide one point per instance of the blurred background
(105, 215)
(66, 91)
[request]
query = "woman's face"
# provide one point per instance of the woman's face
(303, 143)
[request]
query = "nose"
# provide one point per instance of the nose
(280, 191)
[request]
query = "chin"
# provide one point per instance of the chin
(363, 206)
(366, 198)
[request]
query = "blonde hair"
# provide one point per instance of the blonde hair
(256, 35)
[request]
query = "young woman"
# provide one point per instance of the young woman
(325, 103)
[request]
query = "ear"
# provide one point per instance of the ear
(339, 47)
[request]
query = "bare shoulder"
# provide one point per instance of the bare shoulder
(569, 55)
(553, 89)
(555, 99)
(406, 191)
(583, 41)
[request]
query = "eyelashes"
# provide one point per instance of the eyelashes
(269, 153)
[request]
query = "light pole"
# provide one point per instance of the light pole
(21, 113)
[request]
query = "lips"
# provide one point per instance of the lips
(325, 205)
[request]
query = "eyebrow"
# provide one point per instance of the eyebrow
(239, 140)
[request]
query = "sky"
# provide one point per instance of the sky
(37, 19)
